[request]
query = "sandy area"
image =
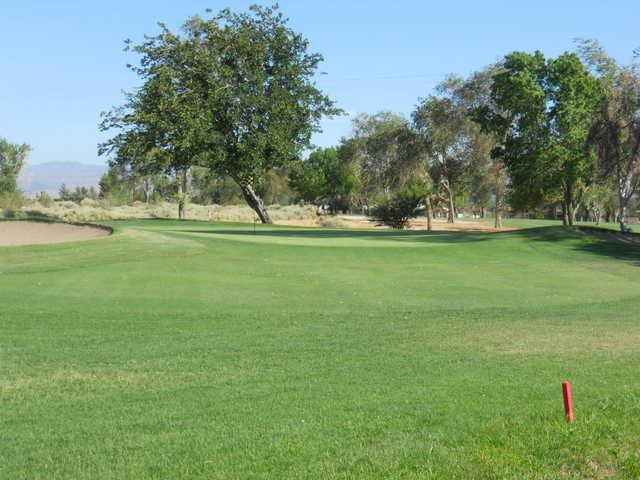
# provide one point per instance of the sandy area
(439, 225)
(35, 233)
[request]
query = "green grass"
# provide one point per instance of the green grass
(195, 350)
(530, 223)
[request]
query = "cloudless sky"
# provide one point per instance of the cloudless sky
(62, 63)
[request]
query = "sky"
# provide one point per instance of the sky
(62, 62)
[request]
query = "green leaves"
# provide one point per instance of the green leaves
(234, 93)
(325, 177)
(12, 158)
(543, 109)
(397, 210)
(385, 151)
(615, 135)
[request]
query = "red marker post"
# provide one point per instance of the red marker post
(568, 401)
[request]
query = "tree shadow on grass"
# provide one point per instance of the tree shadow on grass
(319, 234)
(592, 240)
(599, 242)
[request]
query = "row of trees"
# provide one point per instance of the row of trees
(120, 186)
(230, 104)
(521, 134)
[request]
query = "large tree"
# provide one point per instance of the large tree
(12, 159)
(234, 93)
(381, 150)
(487, 172)
(616, 132)
(545, 109)
(448, 135)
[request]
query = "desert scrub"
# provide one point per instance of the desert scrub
(332, 222)
(44, 199)
(95, 210)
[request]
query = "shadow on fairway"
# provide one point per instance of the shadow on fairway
(401, 236)
(596, 241)
(603, 243)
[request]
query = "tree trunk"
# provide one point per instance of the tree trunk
(568, 210)
(148, 186)
(498, 222)
(565, 213)
(626, 189)
(498, 213)
(183, 194)
(429, 213)
(498, 208)
(181, 213)
(452, 208)
(255, 202)
(622, 214)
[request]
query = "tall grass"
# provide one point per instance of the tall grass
(97, 210)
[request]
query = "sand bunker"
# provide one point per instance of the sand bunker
(35, 233)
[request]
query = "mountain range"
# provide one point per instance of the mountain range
(49, 177)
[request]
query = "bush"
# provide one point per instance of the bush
(10, 203)
(88, 202)
(332, 222)
(396, 211)
(44, 199)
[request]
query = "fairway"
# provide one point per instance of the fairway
(210, 350)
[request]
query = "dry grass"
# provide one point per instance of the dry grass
(94, 211)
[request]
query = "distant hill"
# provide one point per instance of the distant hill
(48, 177)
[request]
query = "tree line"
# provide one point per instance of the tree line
(227, 107)
(526, 133)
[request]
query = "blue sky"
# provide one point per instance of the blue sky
(62, 61)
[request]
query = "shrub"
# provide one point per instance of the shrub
(397, 210)
(44, 199)
(332, 222)
(10, 203)
(88, 202)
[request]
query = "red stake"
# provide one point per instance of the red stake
(568, 400)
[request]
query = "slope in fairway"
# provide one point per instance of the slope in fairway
(198, 350)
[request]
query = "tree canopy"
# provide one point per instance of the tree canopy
(228, 104)
(234, 93)
(543, 111)
(616, 131)
(325, 178)
(12, 159)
